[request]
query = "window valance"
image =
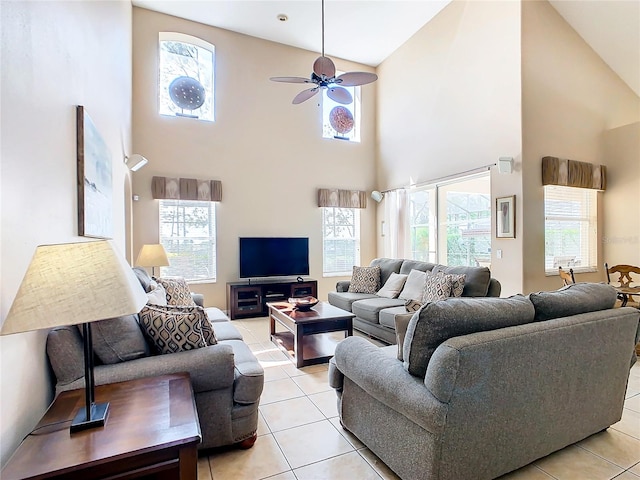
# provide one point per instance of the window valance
(342, 198)
(571, 173)
(186, 189)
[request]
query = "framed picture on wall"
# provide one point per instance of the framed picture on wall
(95, 184)
(506, 217)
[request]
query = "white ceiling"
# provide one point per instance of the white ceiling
(368, 31)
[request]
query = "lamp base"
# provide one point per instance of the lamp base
(98, 417)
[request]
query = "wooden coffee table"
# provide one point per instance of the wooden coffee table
(306, 340)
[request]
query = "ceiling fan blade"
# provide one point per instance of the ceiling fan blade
(305, 95)
(340, 95)
(353, 79)
(324, 66)
(290, 79)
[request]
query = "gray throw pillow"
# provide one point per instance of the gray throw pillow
(572, 300)
(118, 340)
(365, 280)
(436, 322)
(413, 286)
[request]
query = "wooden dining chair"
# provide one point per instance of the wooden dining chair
(624, 280)
(566, 277)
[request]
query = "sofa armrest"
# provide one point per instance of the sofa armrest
(198, 298)
(211, 368)
(343, 286)
(383, 377)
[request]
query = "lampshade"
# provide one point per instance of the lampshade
(152, 255)
(74, 283)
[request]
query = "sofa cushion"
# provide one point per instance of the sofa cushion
(174, 329)
(408, 265)
(178, 291)
(118, 340)
(344, 300)
(226, 331)
(393, 286)
(572, 300)
(476, 281)
(365, 280)
(65, 350)
(414, 286)
(369, 308)
(439, 321)
(387, 267)
(145, 280)
(387, 317)
(436, 287)
(157, 296)
(215, 315)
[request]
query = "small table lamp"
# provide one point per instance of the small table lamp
(152, 256)
(75, 283)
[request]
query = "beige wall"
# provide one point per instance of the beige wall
(449, 101)
(268, 153)
(570, 98)
(55, 55)
(621, 229)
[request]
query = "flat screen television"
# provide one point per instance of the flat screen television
(273, 256)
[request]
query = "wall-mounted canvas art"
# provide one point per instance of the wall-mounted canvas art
(95, 182)
(506, 217)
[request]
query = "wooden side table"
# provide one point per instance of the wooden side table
(152, 432)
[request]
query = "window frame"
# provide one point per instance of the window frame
(197, 42)
(587, 219)
(212, 238)
(355, 238)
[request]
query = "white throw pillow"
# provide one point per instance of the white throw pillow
(157, 296)
(393, 286)
(413, 286)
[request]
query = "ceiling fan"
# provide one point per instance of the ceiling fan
(324, 77)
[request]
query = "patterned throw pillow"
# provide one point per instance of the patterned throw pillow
(365, 280)
(178, 292)
(457, 283)
(207, 330)
(412, 305)
(436, 287)
(173, 329)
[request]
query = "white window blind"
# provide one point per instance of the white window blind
(340, 240)
(188, 234)
(570, 229)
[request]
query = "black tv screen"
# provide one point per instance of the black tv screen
(273, 256)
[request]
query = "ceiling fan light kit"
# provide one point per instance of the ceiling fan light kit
(323, 76)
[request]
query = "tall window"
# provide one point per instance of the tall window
(450, 223)
(340, 121)
(570, 229)
(185, 80)
(188, 234)
(340, 240)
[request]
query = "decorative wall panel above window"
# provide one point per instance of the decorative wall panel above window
(571, 173)
(342, 198)
(164, 188)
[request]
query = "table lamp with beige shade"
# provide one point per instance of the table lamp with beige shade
(152, 255)
(71, 284)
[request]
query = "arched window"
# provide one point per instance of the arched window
(185, 77)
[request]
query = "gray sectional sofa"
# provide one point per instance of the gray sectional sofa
(538, 373)
(227, 378)
(376, 315)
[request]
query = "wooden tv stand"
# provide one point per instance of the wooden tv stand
(248, 298)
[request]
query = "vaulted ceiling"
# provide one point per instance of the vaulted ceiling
(368, 31)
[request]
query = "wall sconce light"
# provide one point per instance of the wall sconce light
(505, 164)
(135, 162)
(377, 196)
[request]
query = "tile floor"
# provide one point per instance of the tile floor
(300, 437)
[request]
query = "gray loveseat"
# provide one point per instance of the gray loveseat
(227, 378)
(376, 315)
(492, 401)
